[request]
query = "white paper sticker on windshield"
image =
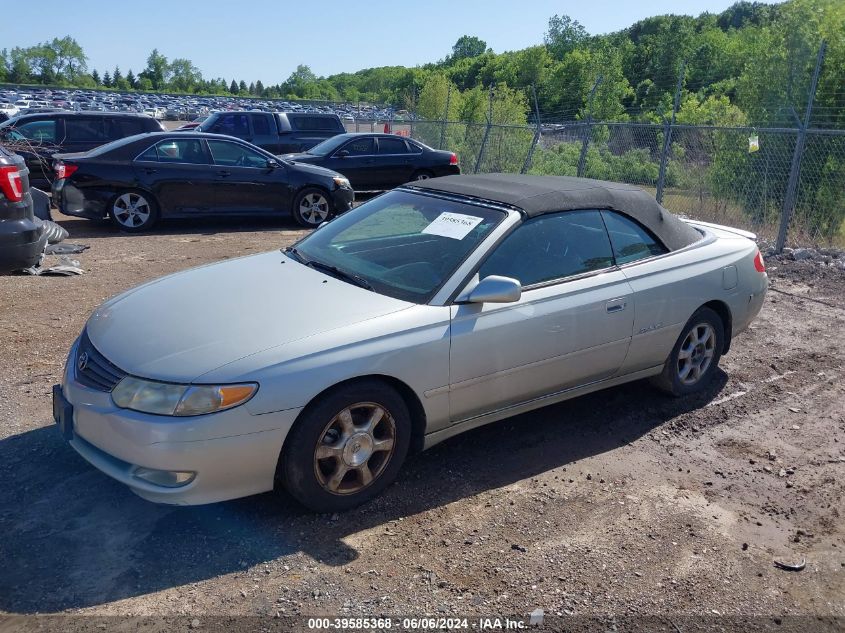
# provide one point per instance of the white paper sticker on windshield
(453, 225)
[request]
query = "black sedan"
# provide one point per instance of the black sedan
(374, 162)
(140, 179)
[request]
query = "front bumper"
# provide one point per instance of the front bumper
(233, 453)
(343, 199)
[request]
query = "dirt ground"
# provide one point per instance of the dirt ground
(623, 503)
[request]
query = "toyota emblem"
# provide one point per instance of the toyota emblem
(82, 361)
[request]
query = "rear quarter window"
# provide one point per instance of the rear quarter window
(631, 241)
(315, 123)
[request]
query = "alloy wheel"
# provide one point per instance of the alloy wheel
(314, 208)
(354, 448)
(696, 353)
(132, 210)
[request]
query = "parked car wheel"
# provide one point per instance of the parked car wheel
(312, 207)
(346, 448)
(133, 211)
(696, 354)
(422, 174)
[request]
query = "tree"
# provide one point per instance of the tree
(107, 80)
(259, 88)
(69, 60)
(564, 36)
(242, 87)
(467, 46)
(157, 70)
(233, 87)
(184, 76)
(251, 88)
(298, 80)
(131, 79)
(96, 77)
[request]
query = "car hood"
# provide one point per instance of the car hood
(180, 327)
(302, 157)
(314, 170)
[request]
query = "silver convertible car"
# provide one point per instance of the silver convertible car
(427, 311)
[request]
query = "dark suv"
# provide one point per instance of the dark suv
(22, 237)
(38, 136)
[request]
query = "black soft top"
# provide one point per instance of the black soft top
(536, 195)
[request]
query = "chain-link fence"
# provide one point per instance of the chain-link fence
(729, 175)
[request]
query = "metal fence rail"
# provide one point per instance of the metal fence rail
(731, 175)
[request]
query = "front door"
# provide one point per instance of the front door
(572, 325)
(244, 183)
(178, 172)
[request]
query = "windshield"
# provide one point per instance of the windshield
(328, 146)
(402, 244)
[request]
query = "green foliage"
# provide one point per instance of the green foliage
(467, 46)
(564, 36)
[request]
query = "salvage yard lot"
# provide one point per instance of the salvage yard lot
(623, 502)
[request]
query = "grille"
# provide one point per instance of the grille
(97, 373)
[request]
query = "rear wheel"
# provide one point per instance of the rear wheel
(133, 211)
(695, 356)
(347, 448)
(312, 207)
(422, 174)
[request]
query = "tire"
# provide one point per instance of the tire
(327, 453)
(311, 207)
(421, 174)
(133, 211)
(695, 356)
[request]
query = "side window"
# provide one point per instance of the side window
(231, 125)
(261, 124)
(150, 155)
(391, 146)
(235, 155)
(630, 240)
(414, 148)
(124, 127)
(313, 123)
(178, 151)
(359, 147)
(86, 130)
(552, 247)
(37, 131)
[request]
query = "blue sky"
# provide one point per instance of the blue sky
(266, 39)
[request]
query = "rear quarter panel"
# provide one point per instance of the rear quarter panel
(670, 288)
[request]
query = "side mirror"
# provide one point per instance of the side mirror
(343, 153)
(496, 289)
(273, 164)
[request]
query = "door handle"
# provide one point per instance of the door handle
(616, 305)
(150, 171)
(223, 174)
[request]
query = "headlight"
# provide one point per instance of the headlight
(341, 182)
(163, 398)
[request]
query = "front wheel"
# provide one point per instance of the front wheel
(346, 448)
(133, 211)
(311, 207)
(695, 356)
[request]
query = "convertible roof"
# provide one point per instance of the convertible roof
(536, 195)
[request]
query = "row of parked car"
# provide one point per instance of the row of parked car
(180, 107)
(129, 169)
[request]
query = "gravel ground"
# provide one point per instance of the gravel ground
(622, 503)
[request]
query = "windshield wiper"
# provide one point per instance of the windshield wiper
(342, 274)
(328, 268)
(292, 250)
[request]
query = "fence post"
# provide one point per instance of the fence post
(486, 133)
(358, 117)
(667, 136)
(536, 138)
(588, 130)
(445, 117)
(414, 111)
(795, 170)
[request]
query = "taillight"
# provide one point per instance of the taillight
(453, 159)
(759, 264)
(10, 183)
(63, 170)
